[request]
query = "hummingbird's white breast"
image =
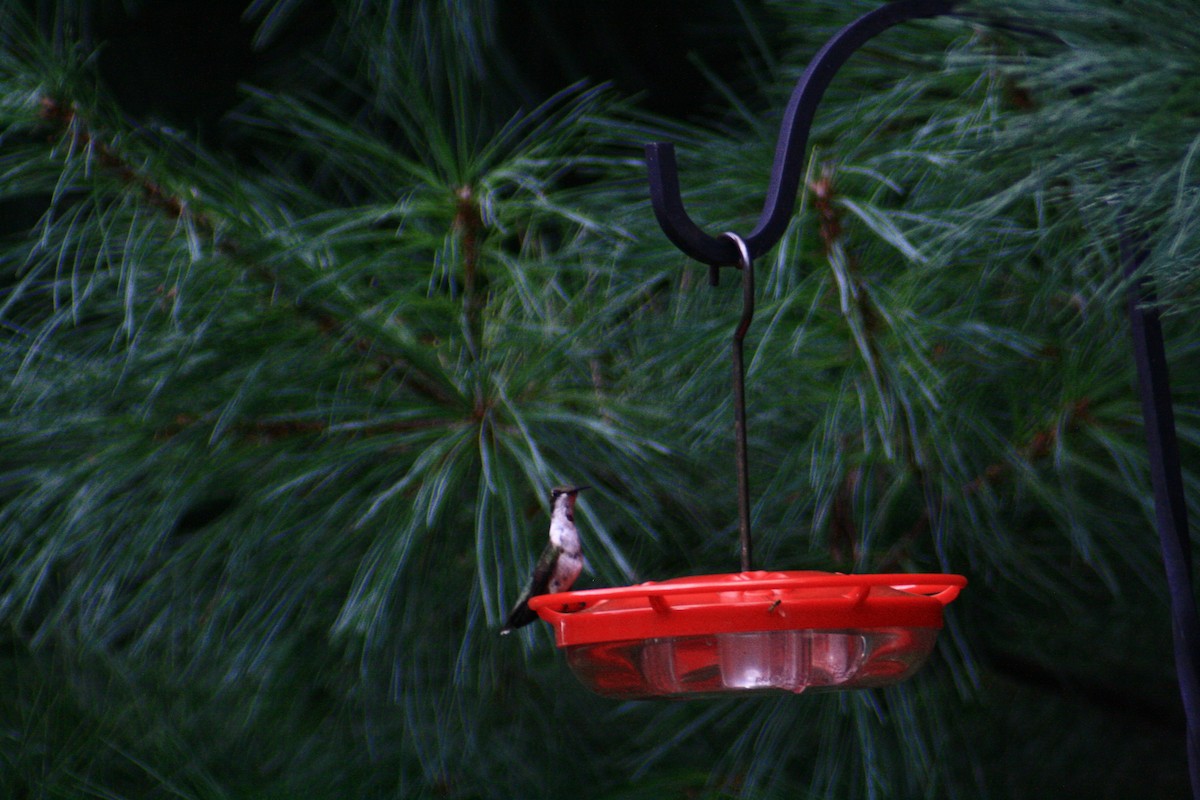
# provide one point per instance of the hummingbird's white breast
(563, 534)
(565, 538)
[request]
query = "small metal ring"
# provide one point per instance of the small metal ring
(743, 249)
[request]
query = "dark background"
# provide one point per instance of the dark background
(182, 61)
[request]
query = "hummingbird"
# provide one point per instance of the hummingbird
(561, 561)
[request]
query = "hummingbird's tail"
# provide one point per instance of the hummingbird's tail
(519, 617)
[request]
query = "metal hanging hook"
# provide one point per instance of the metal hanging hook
(746, 265)
(789, 152)
(730, 249)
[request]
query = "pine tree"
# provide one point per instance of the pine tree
(282, 407)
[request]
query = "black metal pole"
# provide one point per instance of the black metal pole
(1166, 477)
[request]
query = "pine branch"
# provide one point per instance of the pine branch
(468, 223)
(68, 124)
(867, 324)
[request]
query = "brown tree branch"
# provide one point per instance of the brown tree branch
(67, 121)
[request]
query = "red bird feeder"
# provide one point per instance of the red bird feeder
(749, 632)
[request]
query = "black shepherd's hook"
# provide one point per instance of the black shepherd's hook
(732, 250)
(1149, 351)
(717, 251)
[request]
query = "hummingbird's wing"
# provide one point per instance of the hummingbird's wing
(521, 613)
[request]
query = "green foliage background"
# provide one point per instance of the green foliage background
(282, 405)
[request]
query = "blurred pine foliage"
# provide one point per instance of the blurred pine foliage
(283, 399)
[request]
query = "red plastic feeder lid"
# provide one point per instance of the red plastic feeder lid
(745, 602)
